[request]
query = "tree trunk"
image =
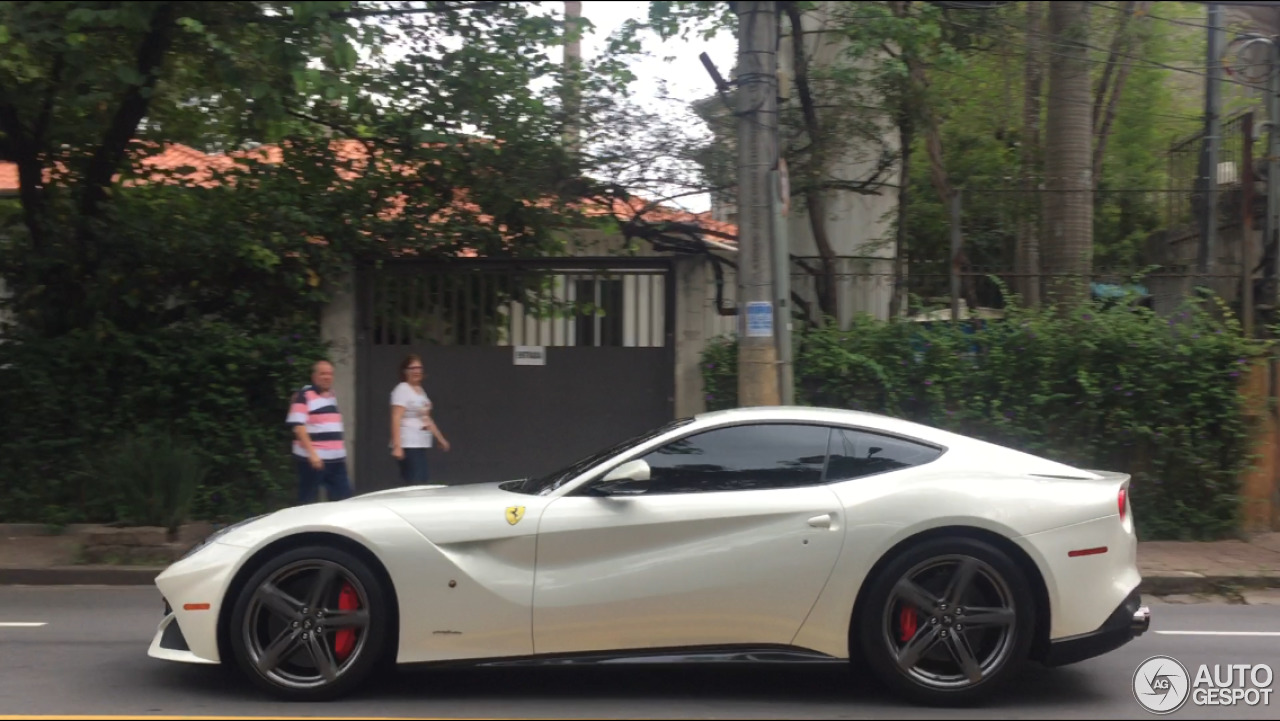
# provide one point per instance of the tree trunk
(1027, 252)
(815, 203)
(1068, 165)
(906, 135)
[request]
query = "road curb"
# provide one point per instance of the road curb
(1188, 582)
(75, 576)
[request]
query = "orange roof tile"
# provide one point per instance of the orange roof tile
(201, 170)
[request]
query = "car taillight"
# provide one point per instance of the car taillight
(1123, 502)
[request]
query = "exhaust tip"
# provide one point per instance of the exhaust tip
(1141, 621)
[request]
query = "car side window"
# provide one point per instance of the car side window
(856, 454)
(740, 458)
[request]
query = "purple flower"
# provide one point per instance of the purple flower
(928, 383)
(711, 397)
(1117, 388)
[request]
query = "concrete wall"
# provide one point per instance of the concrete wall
(1260, 487)
(338, 328)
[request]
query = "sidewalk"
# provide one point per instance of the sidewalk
(29, 556)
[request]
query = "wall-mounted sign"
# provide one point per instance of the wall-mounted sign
(759, 319)
(530, 355)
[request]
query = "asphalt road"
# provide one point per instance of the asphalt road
(89, 658)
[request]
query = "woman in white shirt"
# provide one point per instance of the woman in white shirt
(412, 428)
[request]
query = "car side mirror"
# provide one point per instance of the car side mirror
(629, 471)
(628, 479)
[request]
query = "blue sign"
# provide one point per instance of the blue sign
(759, 319)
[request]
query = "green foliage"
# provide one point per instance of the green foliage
(1115, 388)
(70, 399)
(154, 475)
(979, 98)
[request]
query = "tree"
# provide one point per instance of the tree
(90, 90)
(1068, 251)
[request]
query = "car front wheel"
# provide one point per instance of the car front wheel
(948, 622)
(310, 624)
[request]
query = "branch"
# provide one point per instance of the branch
(124, 125)
(1104, 130)
(40, 132)
(813, 194)
(1117, 46)
(346, 131)
(658, 202)
(435, 7)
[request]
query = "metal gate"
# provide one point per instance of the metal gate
(530, 365)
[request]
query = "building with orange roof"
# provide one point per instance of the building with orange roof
(530, 363)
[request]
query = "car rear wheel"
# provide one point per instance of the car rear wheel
(948, 622)
(311, 624)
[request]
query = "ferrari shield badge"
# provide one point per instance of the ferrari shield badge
(514, 514)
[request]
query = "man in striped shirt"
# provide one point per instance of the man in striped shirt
(318, 450)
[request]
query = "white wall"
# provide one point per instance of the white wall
(338, 327)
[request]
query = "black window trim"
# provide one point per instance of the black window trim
(941, 448)
(596, 475)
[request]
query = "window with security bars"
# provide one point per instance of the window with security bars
(556, 309)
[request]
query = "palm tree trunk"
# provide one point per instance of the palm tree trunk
(1068, 252)
(1027, 253)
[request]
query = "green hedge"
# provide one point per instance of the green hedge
(1117, 388)
(70, 401)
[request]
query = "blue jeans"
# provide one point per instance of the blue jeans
(333, 477)
(413, 467)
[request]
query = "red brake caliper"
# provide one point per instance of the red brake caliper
(907, 619)
(345, 640)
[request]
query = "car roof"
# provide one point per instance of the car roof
(838, 416)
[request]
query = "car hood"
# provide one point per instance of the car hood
(443, 493)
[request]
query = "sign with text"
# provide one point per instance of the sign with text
(530, 355)
(760, 319)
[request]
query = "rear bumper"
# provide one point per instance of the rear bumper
(1130, 620)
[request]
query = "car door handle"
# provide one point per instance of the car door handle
(823, 521)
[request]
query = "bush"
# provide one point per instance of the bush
(1116, 388)
(68, 398)
(153, 477)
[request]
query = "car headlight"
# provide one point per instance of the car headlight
(220, 533)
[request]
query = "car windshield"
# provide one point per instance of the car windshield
(550, 482)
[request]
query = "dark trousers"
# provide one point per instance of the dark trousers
(333, 477)
(413, 467)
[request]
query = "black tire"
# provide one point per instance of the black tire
(262, 617)
(998, 642)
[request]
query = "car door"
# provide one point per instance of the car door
(731, 541)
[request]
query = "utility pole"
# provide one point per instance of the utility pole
(1272, 223)
(757, 157)
(1212, 141)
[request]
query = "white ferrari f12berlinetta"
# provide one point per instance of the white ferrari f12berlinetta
(941, 563)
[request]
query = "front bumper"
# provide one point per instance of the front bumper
(1130, 620)
(169, 644)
